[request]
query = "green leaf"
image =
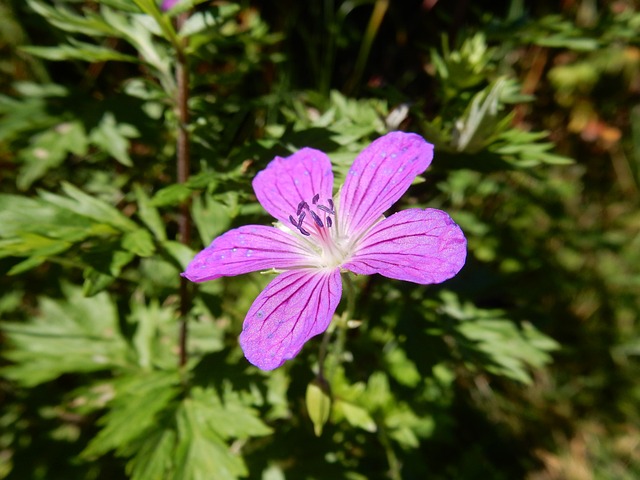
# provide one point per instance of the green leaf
(318, 404)
(355, 415)
(31, 244)
(138, 402)
(229, 417)
(20, 215)
(149, 214)
(401, 368)
(63, 18)
(154, 456)
(136, 31)
(86, 52)
(487, 340)
(113, 138)
(75, 334)
(154, 339)
(150, 7)
(475, 128)
(212, 216)
(139, 242)
(179, 253)
(49, 149)
(203, 424)
(90, 207)
(172, 195)
(106, 261)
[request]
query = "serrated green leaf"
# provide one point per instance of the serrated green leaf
(229, 418)
(134, 30)
(63, 18)
(75, 334)
(154, 456)
(86, 52)
(154, 339)
(202, 453)
(106, 260)
(113, 139)
(49, 149)
(478, 125)
(29, 244)
(20, 215)
(489, 341)
(139, 242)
(138, 402)
(90, 207)
(149, 214)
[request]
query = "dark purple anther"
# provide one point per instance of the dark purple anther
(301, 218)
(303, 231)
(293, 220)
(326, 209)
(316, 219)
(302, 205)
(315, 198)
(330, 202)
(329, 222)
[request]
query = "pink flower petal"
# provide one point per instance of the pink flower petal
(295, 306)
(421, 246)
(288, 181)
(247, 249)
(378, 178)
(168, 4)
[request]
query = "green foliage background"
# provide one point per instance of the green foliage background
(523, 366)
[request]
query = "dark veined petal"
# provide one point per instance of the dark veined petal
(421, 246)
(295, 306)
(247, 249)
(378, 177)
(288, 181)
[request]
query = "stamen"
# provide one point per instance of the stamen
(293, 221)
(326, 209)
(302, 205)
(315, 198)
(329, 222)
(316, 219)
(330, 202)
(303, 231)
(301, 218)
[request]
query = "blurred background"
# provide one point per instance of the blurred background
(522, 367)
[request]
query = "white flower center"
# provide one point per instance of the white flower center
(316, 223)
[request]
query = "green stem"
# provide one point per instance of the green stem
(183, 168)
(341, 326)
(379, 11)
(395, 467)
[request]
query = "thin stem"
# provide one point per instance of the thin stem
(379, 11)
(395, 467)
(341, 327)
(183, 168)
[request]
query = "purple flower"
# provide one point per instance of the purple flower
(318, 236)
(168, 4)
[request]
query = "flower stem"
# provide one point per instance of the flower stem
(395, 467)
(379, 11)
(183, 167)
(342, 327)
